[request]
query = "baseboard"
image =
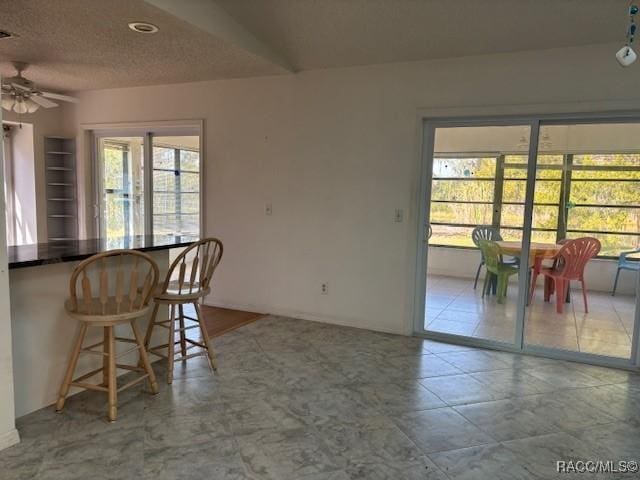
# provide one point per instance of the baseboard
(302, 315)
(9, 438)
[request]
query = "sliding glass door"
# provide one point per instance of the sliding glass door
(147, 184)
(583, 299)
(531, 237)
(476, 194)
(121, 178)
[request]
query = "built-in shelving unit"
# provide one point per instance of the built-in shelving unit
(62, 199)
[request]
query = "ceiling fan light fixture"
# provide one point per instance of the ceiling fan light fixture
(7, 102)
(31, 105)
(143, 27)
(20, 106)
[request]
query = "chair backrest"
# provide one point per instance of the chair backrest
(112, 283)
(574, 255)
(491, 253)
(191, 272)
(485, 232)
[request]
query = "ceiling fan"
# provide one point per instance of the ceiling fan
(21, 95)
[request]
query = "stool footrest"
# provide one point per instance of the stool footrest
(133, 382)
(126, 340)
(191, 355)
(127, 352)
(89, 386)
(132, 368)
(87, 375)
(94, 352)
(194, 343)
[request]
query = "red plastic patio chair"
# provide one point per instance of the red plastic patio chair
(569, 264)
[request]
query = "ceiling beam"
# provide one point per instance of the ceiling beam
(207, 15)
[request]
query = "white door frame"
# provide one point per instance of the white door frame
(428, 125)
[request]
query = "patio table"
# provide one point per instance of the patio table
(538, 251)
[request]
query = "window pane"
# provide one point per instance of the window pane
(464, 213)
(545, 192)
(612, 244)
(113, 173)
(189, 203)
(460, 236)
(605, 193)
(164, 203)
(466, 190)
(604, 219)
(464, 167)
(628, 159)
(164, 181)
(189, 160)
(543, 216)
(189, 182)
(164, 158)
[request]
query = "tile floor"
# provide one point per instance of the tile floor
(453, 306)
(298, 400)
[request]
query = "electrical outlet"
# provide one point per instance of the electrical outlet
(324, 289)
(268, 210)
(399, 215)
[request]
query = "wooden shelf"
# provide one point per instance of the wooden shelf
(62, 204)
(63, 169)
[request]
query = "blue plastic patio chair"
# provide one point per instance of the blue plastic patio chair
(625, 263)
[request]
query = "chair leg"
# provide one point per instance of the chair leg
(485, 284)
(144, 358)
(73, 361)
(560, 294)
(105, 358)
(500, 289)
(584, 296)
(548, 283)
(171, 344)
(475, 283)
(205, 336)
(615, 282)
(183, 342)
(113, 386)
(152, 323)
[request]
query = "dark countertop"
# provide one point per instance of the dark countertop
(74, 250)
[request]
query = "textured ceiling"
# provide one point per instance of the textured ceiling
(86, 44)
(332, 33)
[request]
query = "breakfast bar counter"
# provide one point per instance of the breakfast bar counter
(42, 333)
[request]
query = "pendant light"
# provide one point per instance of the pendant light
(626, 55)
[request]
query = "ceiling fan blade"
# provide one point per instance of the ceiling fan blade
(43, 102)
(57, 96)
(21, 87)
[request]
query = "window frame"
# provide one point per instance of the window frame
(567, 167)
(94, 131)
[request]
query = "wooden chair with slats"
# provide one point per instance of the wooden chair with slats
(124, 280)
(188, 282)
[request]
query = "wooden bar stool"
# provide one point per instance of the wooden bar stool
(125, 280)
(187, 282)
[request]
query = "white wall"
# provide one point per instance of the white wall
(8, 432)
(25, 220)
(336, 152)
